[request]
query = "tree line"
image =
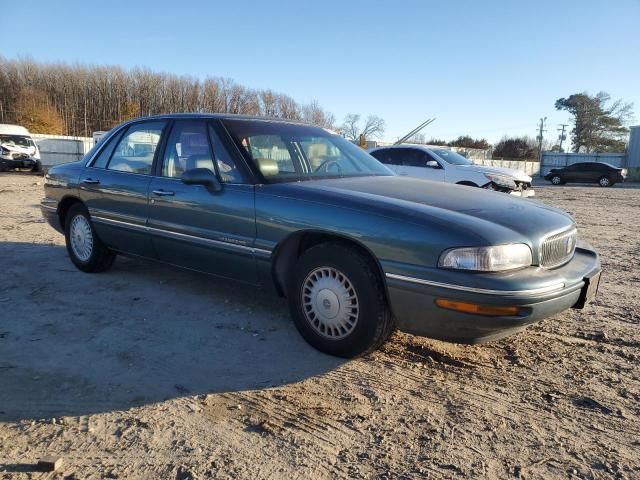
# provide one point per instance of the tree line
(78, 99)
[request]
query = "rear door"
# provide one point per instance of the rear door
(115, 187)
(194, 227)
(389, 157)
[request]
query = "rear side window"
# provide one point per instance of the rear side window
(388, 156)
(134, 152)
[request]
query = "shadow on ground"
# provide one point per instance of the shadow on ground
(74, 343)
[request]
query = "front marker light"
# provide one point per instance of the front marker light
(496, 258)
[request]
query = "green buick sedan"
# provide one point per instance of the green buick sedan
(357, 250)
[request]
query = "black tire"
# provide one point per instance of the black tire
(374, 322)
(100, 258)
(37, 167)
(556, 180)
(604, 181)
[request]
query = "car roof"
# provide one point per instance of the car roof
(219, 116)
(592, 163)
(8, 129)
(404, 145)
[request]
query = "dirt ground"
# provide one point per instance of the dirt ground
(151, 372)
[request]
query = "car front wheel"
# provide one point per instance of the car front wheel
(556, 180)
(604, 181)
(86, 250)
(337, 301)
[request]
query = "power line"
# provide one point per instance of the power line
(562, 135)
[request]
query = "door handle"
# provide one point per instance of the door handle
(404, 174)
(163, 193)
(90, 181)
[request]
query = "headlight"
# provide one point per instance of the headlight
(501, 180)
(487, 259)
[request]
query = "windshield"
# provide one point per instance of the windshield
(285, 152)
(451, 157)
(17, 140)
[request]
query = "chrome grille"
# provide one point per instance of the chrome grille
(558, 249)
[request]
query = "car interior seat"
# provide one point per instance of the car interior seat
(268, 167)
(317, 154)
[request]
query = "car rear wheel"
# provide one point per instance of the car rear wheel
(86, 250)
(604, 181)
(337, 301)
(556, 180)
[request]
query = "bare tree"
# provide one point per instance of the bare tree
(373, 127)
(86, 99)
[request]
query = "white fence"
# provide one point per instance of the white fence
(57, 149)
(529, 167)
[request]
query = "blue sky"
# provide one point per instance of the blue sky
(481, 68)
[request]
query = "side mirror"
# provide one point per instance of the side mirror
(433, 164)
(202, 176)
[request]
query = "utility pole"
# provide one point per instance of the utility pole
(541, 131)
(562, 136)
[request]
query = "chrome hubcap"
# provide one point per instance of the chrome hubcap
(555, 180)
(604, 182)
(81, 238)
(330, 303)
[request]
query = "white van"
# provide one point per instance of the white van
(17, 149)
(443, 165)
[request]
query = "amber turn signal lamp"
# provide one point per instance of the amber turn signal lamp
(490, 310)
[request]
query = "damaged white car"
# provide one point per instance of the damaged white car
(443, 165)
(17, 149)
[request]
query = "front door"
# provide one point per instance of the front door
(194, 227)
(414, 163)
(115, 188)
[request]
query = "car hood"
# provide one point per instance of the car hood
(18, 149)
(474, 210)
(510, 172)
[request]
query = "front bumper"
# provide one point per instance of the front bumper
(11, 163)
(530, 192)
(542, 294)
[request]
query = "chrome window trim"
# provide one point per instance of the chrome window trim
(556, 287)
(181, 236)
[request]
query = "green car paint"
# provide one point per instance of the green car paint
(249, 230)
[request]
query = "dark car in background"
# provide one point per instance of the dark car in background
(604, 174)
(356, 249)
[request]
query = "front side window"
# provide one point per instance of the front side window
(135, 150)
(412, 157)
(187, 148)
(452, 157)
(291, 152)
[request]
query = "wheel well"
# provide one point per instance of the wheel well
(64, 206)
(288, 252)
(467, 183)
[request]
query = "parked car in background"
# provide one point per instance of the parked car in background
(356, 249)
(443, 165)
(17, 149)
(604, 174)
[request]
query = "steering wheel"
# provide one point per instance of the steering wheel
(325, 164)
